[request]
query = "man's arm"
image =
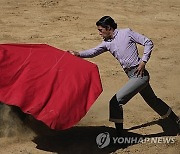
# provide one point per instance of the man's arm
(142, 40)
(91, 52)
(148, 46)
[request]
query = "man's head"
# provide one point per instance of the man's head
(106, 26)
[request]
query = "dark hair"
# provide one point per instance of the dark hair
(106, 21)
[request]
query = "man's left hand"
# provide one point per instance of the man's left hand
(140, 69)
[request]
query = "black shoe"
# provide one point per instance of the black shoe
(122, 133)
(119, 129)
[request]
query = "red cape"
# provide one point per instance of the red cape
(52, 85)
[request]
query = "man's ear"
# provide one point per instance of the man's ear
(108, 28)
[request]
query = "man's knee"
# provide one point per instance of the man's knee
(153, 101)
(115, 103)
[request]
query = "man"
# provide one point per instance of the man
(122, 45)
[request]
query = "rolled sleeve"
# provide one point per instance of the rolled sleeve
(147, 50)
(142, 40)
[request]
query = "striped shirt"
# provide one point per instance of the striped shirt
(123, 46)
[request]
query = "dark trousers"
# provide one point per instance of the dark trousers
(136, 84)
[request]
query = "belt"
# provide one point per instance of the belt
(130, 68)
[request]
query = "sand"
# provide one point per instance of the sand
(70, 25)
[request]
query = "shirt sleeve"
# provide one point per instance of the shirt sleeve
(94, 51)
(142, 40)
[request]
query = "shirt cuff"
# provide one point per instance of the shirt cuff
(81, 54)
(145, 59)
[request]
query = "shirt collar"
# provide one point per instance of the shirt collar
(114, 35)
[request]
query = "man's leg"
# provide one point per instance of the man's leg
(131, 88)
(158, 105)
(116, 114)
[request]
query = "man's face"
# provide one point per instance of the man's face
(103, 32)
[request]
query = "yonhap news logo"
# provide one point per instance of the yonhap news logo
(104, 139)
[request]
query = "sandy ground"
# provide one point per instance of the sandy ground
(70, 25)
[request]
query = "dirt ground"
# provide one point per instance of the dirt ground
(70, 25)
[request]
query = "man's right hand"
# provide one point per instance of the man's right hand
(75, 53)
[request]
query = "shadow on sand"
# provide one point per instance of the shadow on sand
(82, 139)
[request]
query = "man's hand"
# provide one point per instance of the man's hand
(75, 53)
(140, 69)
